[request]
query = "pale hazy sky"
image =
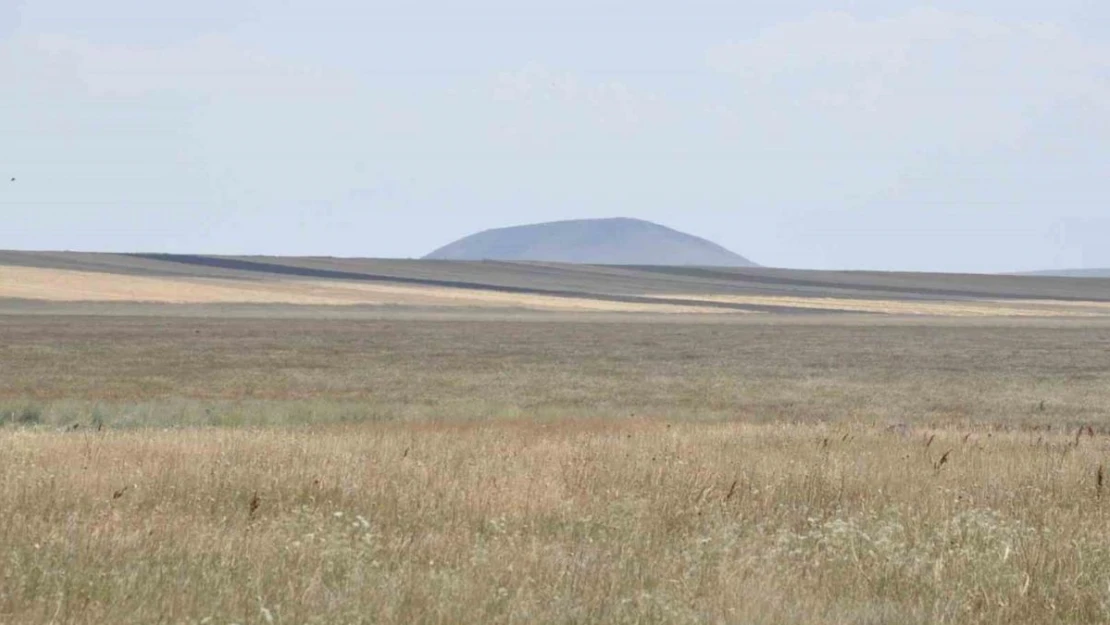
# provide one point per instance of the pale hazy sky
(953, 136)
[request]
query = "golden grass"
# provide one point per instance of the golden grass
(500, 472)
(575, 522)
(58, 285)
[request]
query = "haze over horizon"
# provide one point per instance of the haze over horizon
(892, 135)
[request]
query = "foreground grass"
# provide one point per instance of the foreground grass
(636, 521)
(553, 472)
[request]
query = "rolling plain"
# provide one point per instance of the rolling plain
(198, 439)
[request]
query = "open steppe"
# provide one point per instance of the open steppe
(253, 461)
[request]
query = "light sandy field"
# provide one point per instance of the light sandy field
(969, 308)
(59, 285)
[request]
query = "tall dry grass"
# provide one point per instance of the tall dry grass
(637, 521)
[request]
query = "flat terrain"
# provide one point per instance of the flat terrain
(752, 468)
(279, 462)
(133, 371)
(351, 283)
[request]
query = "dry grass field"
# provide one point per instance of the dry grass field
(586, 521)
(744, 471)
(282, 463)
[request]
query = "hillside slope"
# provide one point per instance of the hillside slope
(618, 241)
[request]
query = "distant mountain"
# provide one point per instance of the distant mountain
(1071, 273)
(619, 241)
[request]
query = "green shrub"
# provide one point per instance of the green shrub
(29, 415)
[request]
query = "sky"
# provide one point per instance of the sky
(894, 135)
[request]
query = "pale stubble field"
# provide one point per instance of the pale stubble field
(755, 470)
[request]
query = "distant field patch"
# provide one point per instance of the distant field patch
(58, 285)
(944, 308)
(374, 285)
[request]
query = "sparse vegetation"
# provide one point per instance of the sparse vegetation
(30, 414)
(228, 372)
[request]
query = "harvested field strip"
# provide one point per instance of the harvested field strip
(78, 286)
(900, 285)
(968, 308)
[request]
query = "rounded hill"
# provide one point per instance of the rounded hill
(617, 241)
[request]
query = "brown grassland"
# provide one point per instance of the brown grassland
(665, 469)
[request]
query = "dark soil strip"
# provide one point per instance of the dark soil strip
(744, 276)
(331, 274)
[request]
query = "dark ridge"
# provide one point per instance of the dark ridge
(746, 276)
(331, 274)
